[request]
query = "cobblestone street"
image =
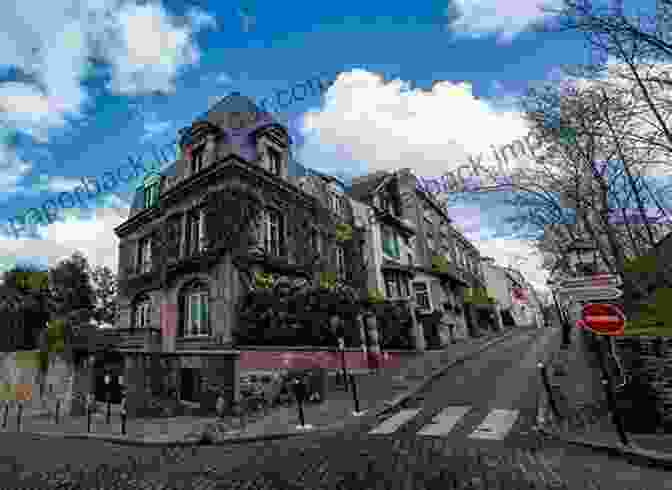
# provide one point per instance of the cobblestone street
(356, 462)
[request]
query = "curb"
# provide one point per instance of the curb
(391, 405)
(633, 453)
(125, 441)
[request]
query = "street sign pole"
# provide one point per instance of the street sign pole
(566, 327)
(607, 320)
(611, 398)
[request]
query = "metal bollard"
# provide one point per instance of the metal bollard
(89, 405)
(58, 406)
(18, 417)
(123, 416)
(353, 383)
(5, 416)
(549, 391)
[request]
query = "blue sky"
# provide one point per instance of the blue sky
(85, 84)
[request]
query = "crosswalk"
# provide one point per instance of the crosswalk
(495, 426)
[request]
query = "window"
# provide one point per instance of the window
(195, 314)
(196, 157)
(273, 232)
(422, 296)
(390, 242)
(274, 161)
(335, 203)
(430, 242)
(391, 286)
(315, 241)
(446, 253)
(194, 232)
(396, 285)
(142, 312)
(151, 195)
(340, 262)
(387, 204)
(145, 255)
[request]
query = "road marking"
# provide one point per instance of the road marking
(496, 425)
(396, 421)
(444, 422)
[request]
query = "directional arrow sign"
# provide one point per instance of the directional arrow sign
(591, 294)
(597, 280)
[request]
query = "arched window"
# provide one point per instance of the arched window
(194, 310)
(142, 310)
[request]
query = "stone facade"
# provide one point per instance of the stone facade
(65, 382)
(177, 215)
(648, 363)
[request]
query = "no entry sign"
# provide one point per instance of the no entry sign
(603, 319)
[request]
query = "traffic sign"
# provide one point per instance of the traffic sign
(603, 319)
(591, 294)
(596, 280)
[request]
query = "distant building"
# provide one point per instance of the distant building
(517, 301)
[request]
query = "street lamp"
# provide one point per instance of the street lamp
(583, 258)
(108, 378)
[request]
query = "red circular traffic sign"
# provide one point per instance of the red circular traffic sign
(603, 319)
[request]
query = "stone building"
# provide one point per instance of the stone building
(181, 281)
(409, 232)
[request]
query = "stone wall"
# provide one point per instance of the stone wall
(648, 363)
(61, 383)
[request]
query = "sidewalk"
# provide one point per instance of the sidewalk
(581, 401)
(377, 393)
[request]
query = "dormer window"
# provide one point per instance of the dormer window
(151, 195)
(151, 191)
(335, 203)
(197, 159)
(274, 161)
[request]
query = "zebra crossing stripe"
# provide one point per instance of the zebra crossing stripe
(396, 421)
(496, 425)
(444, 422)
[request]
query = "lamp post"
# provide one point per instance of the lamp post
(107, 390)
(583, 258)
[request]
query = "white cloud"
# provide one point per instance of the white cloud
(368, 125)
(518, 254)
(224, 78)
(153, 127)
(146, 49)
(507, 18)
(12, 170)
(54, 41)
(93, 236)
(62, 184)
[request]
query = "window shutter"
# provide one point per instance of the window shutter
(125, 255)
(396, 246)
(182, 315)
(206, 313)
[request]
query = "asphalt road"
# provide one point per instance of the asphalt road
(497, 388)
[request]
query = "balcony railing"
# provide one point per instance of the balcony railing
(146, 338)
